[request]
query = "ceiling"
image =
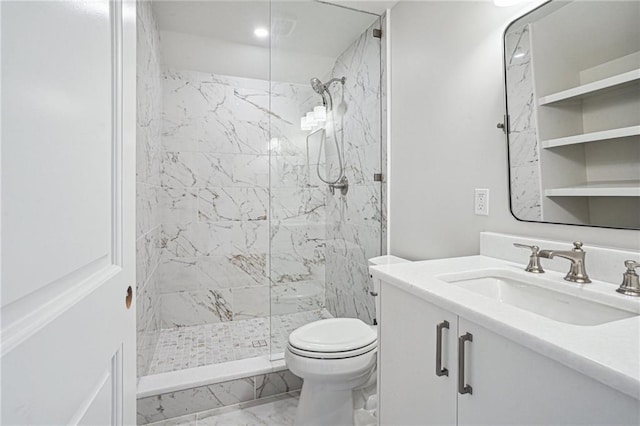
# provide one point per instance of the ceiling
(377, 7)
(300, 26)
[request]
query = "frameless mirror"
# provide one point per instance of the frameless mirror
(572, 71)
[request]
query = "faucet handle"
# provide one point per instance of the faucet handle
(534, 260)
(534, 249)
(630, 280)
(631, 266)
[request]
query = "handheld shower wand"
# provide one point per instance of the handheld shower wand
(323, 90)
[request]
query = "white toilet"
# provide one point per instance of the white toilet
(334, 357)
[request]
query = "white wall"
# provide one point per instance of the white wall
(447, 95)
(190, 52)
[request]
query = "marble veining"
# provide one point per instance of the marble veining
(193, 400)
(233, 166)
(242, 226)
(354, 221)
(148, 225)
(205, 402)
(524, 150)
(281, 412)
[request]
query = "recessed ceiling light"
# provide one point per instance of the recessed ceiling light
(261, 32)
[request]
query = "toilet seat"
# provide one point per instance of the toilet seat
(334, 338)
(333, 355)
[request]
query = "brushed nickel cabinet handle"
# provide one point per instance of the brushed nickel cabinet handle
(462, 386)
(439, 370)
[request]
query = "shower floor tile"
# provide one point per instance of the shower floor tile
(196, 346)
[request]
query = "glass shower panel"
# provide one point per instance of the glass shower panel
(326, 209)
(203, 194)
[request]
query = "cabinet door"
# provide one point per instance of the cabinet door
(411, 393)
(512, 385)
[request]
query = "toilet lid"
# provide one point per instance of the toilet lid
(333, 335)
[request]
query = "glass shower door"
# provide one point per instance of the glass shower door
(325, 126)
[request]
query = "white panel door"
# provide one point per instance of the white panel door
(68, 212)
(411, 392)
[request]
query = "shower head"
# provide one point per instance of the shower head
(320, 87)
(317, 85)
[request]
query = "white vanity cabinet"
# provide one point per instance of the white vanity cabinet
(410, 391)
(510, 384)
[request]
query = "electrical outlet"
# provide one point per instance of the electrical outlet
(482, 202)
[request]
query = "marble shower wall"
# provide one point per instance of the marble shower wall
(298, 206)
(524, 151)
(215, 206)
(149, 116)
(354, 221)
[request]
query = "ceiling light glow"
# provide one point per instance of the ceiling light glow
(261, 32)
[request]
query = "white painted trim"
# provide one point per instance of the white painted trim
(1, 257)
(26, 316)
(116, 134)
(387, 34)
(86, 404)
(117, 390)
(128, 198)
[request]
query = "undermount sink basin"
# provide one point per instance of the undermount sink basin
(542, 301)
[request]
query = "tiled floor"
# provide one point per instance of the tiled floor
(189, 347)
(279, 410)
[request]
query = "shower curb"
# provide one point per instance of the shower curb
(223, 391)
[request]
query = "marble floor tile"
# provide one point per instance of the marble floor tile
(280, 412)
(195, 346)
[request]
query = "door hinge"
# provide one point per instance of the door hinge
(377, 177)
(377, 33)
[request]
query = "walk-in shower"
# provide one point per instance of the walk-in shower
(240, 240)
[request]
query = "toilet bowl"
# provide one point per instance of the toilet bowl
(333, 357)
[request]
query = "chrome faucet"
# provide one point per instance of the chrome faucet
(534, 260)
(577, 272)
(630, 280)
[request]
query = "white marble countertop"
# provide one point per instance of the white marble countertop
(608, 353)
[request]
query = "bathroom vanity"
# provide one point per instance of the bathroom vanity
(477, 340)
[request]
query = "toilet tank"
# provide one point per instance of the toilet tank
(382, 260)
